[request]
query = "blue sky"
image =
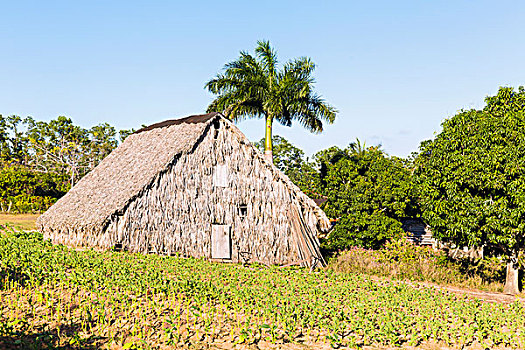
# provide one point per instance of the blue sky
(393, 69)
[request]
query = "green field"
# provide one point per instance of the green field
(19, 221)
(55, 297)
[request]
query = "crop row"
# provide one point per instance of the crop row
(53, 296)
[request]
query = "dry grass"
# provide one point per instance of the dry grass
(404, 261)
(20, 221)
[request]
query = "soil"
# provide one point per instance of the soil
(491, 297)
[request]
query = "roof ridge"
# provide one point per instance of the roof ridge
(192, 119)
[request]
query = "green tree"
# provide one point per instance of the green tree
(357, 148)
(326, 159)
(291, 161)
(59, 146)
(472, 179)
(12, 139)
(62, 147)
(102, 140)
(54, 155)
(123, 134)
(5, 151)
(23, 190)
(286, 157)
(254, 87)
(368, 192)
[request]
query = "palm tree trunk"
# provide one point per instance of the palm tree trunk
(268, 140)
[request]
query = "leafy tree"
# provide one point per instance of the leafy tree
(308, 180)
(62, 147)
(123, 134)
(253, 86)
(472, 179)
(5, 152)
(102, 140)
(326, 159)
(47, 153)
(368, 192)
(59, 146)
(357, 148)
(23, 190)
(286, 156)
(291, 161)
(12, 139)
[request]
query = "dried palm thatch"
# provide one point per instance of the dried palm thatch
(170, 185)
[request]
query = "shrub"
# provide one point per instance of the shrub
(367, 230)
(26, 204)
(27, 191)
(368, 192)
(401, 259)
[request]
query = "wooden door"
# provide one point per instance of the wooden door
(221, 242)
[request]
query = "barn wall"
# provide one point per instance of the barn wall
(176, 213)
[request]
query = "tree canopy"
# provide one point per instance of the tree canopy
(472, 178)
(365, 190)
(291, 161)
(40, 161)
(368, 192)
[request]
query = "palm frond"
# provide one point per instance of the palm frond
(267, 56)
(300, 69)
(236, 109)
(310, 111)
(251, 86)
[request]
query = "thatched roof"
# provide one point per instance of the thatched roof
(133, 166)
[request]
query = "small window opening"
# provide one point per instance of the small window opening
(243, 211)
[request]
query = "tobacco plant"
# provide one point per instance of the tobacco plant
(52, 296)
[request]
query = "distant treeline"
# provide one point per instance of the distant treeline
(467, 184)
(40, 160)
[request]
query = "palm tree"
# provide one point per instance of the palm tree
(254, 87)
(357, 148)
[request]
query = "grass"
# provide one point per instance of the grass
(19, 221)
(403, 260)
(55, 297)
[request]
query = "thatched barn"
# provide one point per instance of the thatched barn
(196, 187)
